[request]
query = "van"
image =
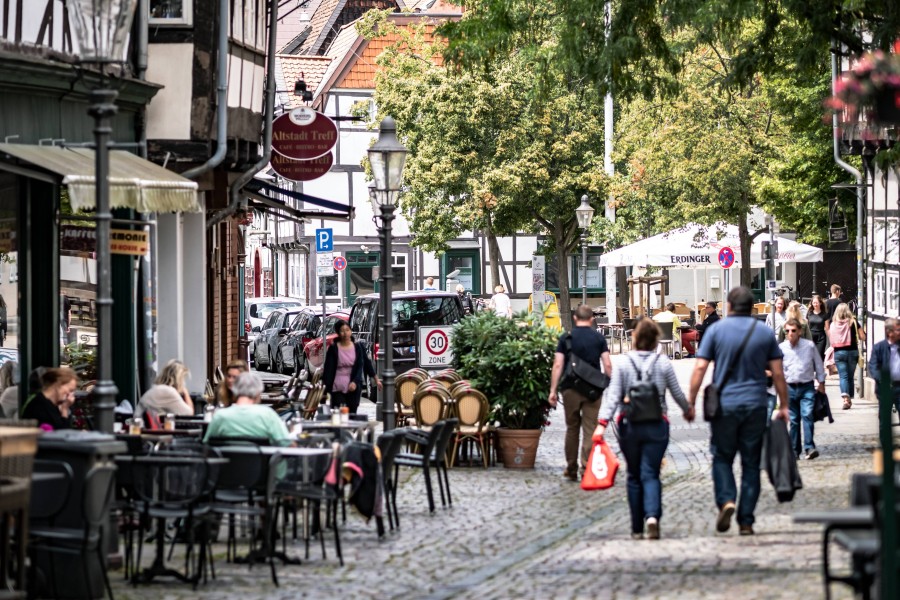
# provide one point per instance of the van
(409, 310)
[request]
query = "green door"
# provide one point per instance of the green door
(361, 275)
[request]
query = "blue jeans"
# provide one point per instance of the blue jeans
(643, 445)
(845, 361)
(801, 400)
(739, 429)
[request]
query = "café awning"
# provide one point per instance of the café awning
(264, 196)
(134, 182)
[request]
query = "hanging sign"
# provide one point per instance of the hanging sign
(303, 138)
(302, 170)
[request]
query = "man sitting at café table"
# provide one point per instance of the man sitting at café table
(690, 336)
(246, 417)
(669, 316)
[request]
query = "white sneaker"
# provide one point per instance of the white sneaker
(651, 525)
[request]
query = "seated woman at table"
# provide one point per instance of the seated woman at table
(225, 393)
(168, 394)
(345, 363)
(246, 417)
(51, 405)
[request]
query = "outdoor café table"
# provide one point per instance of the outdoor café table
(355, 430)
(163, 462)
(856, 516)
(265, 452)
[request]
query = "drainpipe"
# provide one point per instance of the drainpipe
(246, 176)
(221, 99)
(860, 196)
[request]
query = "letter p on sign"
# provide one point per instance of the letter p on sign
(324, 240)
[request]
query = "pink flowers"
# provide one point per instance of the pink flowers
(870, 89)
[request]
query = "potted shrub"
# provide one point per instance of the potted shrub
(871, 88)
(510, 362)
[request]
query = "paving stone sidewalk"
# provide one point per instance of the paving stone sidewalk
(531, 534)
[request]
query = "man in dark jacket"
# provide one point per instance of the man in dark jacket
(886, 356)
(690, 336)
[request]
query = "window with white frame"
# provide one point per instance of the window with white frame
(893, 241)
(893, 293)
(878, 291)
(878, 249)
(171, 12)
(398, 271)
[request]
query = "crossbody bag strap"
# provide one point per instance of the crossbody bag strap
(739, 352)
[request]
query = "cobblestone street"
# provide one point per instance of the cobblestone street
(532, 534)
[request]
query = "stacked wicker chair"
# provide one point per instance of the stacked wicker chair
(472, 409)
(404, 390)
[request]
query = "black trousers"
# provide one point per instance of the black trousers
(348, 399)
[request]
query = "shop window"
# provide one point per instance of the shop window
(596, 282)
(171, 12)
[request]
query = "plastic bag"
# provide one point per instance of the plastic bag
(600, 473)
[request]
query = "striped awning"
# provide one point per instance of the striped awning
(134, 182)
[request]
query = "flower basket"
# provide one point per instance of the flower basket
(871, 88)
(887, 106)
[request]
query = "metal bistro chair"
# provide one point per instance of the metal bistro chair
(667, 339)
(85, 542)
(390, 443)
(433, 454)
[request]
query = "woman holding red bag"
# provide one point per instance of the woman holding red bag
(643, 428)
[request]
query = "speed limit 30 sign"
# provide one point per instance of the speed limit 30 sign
(434, 347)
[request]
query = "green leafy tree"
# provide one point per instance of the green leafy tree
(486, 155)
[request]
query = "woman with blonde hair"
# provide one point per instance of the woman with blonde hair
(845, 334)
(794, 311)
(776, 319)
(169, 394)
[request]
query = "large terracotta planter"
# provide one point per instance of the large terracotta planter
(518, 447)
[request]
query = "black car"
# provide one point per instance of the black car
(304, 327)
(273, 329)
(409, 310)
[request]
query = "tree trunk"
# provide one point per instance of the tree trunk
(562, 256)
(746, 246)
(493, 255)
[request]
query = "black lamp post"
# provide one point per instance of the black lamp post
(101, 28)
(584, 213)
(387, 158)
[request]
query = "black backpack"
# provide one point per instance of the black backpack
(642, 401)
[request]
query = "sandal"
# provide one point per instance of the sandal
(847, 403)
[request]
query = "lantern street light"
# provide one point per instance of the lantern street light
(102, 28)
(387, 158)
(584, 214)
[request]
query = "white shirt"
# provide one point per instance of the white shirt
(501, 304)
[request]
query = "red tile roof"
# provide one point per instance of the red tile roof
(290, 68)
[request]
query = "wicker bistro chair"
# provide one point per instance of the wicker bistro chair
(418, 374)
(430, 405)
(447, 377)
(472, 408)
(459, 387)
(404, 390)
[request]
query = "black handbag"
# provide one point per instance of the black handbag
(712, 405)
(581, 376)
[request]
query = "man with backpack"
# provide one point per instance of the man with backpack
(582, 349)
(742, 349)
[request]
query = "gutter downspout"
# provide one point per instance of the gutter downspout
(860, 209)
(221, 98)
(246, 176)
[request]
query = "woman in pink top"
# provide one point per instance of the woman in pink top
(345, 364)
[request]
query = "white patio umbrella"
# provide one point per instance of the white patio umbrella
(699, 246)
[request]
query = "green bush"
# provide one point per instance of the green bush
(509, 360)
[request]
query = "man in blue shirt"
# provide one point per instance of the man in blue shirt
(744, 403)
(886, 357)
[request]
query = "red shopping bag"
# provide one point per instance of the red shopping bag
(601, 468)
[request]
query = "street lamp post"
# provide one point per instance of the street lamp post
(101, 28)
(584, 213)
(387, 158)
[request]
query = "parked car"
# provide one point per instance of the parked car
(289, 353)
(274, 328)
(409, 310)
(313, 355)
(256, 310)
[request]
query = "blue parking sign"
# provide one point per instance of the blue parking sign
(324, 240)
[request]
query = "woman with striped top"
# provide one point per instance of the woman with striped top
(643, 444)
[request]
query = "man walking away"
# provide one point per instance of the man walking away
(743, 349)
(886, 355)
(581, 412)
(802, 369)
(831, 304)
(429, 284)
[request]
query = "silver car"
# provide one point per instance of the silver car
(271, 333)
